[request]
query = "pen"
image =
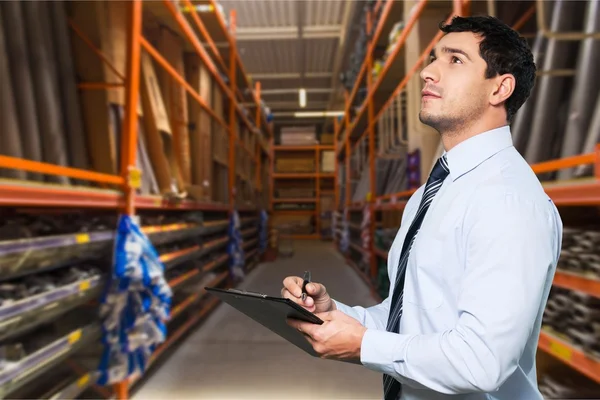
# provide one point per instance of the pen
(306, 281)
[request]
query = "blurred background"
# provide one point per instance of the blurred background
(249, 139)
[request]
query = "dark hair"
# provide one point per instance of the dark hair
(504, 51)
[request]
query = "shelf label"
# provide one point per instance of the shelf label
(82, 238)
(83, 381)
(75, 336)
(561, 351)
(85, 285)
(135, 178)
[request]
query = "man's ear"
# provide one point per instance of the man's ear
(504, 86)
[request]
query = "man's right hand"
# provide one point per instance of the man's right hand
(318, 299)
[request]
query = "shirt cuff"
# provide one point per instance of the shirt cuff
(380, 350)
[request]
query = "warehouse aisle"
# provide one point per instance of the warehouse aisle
(232, 357)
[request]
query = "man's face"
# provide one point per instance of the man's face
(455, 90)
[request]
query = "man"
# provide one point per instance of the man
(474, 258)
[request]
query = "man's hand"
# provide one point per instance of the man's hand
(338, 338)
(318, 299)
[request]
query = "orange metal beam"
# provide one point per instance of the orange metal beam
(567, 162)
(232, 109)
(193, 39)
(567, 353)
(51, 169)
(130, 119)
(597, 169)
(129, 128)
(372, 174)
(181, 80)
(93, 47)
(577, 282)
(523, 20)
(204, 32)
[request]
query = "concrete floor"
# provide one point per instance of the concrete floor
(232, 357)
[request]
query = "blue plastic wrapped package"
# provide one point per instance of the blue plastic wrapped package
(135, 306)
(263, 232)
(235, 249)
(345, 239)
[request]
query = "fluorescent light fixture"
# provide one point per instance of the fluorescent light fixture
(316, 114)
(302, 97)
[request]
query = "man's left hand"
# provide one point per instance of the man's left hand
(338, 338)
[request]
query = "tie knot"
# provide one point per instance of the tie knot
(440, 169)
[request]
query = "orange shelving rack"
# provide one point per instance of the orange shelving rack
(119, 192)
(316, 178)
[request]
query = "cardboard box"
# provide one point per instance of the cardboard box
(200, 126)
(327, 139)
(328, 161)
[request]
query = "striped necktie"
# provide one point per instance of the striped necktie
(392, 387)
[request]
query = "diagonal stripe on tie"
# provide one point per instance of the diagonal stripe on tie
(392, 389)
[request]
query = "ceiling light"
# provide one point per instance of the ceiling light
(313, 114)
(302, 97)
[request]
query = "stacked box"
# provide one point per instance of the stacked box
(327, 139)
(328, 161)
(299, 136)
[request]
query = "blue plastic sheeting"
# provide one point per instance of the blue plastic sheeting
(235, 249)
(263, 231)
(135, 306)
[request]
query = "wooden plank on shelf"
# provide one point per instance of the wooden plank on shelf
(175, 98)
(570, 355)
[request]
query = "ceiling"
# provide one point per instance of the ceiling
(293, 44)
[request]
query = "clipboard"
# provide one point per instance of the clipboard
(270, 312)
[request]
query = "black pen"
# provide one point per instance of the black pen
(306, 281)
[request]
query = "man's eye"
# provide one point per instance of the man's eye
(431, 59)
(456, 60)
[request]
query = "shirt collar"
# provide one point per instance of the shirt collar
(467, 155)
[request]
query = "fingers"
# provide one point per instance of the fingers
(294, 285)
(306, 328)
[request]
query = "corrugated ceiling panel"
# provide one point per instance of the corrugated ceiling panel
(267, 84)
(320, 54)
(324, 12)
(262, 13)
(262, 57)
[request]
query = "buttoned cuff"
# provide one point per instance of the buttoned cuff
(380, 350)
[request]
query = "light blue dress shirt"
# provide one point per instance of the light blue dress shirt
(477, 281)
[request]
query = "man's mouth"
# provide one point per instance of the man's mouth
(429, 95)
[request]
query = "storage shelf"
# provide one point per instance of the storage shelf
(381, 253)
(294, 176)
(358, 248)
(570, 355)
(36, 310)
(78, 386)
(249, 243)
(582, 283)
(390, 15)
(303, 148)
(298, 200)
(215, 263)
(574, 193)
(31, 194)
(45, 358)
(175, 258)
(302, 236)
(174, 337)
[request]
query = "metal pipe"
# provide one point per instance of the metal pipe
(551, 34)
(592, 142)
(585, 89)
(550, 89)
